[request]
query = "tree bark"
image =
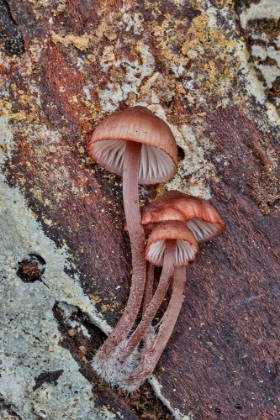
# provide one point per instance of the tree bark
(64, 66)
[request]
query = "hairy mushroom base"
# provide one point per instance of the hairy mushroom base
(155, 341)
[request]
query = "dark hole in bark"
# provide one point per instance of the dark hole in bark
(181, 154)
(31, 268)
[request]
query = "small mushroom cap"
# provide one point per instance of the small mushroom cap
(199, 215)
(187, 246)
(158, 153)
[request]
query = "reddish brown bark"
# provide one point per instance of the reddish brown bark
(223, 358)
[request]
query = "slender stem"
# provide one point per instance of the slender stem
(131, 164)
(152, 355)
(170, 317)
(148, 294)
(143, 327)
(149, 286)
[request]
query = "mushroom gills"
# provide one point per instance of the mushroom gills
(184, 252)
(202, 230)
(155, 163)
(110, 153)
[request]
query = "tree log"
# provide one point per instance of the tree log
(211, 69)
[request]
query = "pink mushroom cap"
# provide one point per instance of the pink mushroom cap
(158, 153)
(186, 244)
(198, 214)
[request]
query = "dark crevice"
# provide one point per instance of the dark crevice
(10, 37)
(82, 338)
(10, 410)
(47, 377)
(180, 153)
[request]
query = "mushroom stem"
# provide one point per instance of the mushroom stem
(148, 294)
(131, 165)
(149, 286)
(153, 353)
(143, 327)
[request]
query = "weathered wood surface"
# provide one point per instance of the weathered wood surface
(66, 62)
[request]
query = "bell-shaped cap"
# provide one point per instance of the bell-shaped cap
(158, 152)
(186, 244)
(198, 214)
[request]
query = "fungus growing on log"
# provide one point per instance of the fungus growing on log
(155, 343)
(198, 214)
(170, 244)
(179, 211)
(139, 146)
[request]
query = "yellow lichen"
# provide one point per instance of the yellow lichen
(80, 42)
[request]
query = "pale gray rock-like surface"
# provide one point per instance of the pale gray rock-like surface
(29, 334)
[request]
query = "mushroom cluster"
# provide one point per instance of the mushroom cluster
(139, 146)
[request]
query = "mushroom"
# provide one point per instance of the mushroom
(170, 244)
(205, 223)
(198, 214)
(156, 343)
(139, 146)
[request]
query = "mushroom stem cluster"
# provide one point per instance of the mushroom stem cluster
(140, 147)
(152, 307)
(157, 342)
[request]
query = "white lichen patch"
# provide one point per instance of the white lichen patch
(86, 90)
(157, 387)
(253, 85)
(29, 333)
(193, 168)
(79, 327)
(6, 141)
(270, 72)
(135, 72)
(264, 52)
(265, 9)
(133, 21)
